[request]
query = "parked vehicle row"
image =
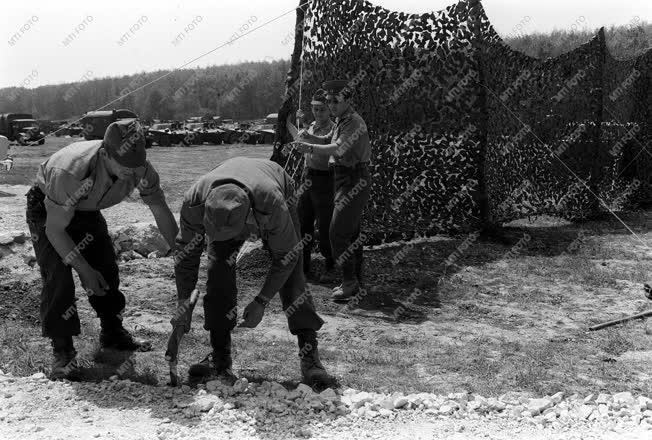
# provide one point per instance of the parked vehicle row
(24, 129)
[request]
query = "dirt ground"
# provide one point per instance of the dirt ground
(505, 317)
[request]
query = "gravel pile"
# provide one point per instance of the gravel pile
(269, 410)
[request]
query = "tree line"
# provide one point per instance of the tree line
(247, 90)
(250, 90)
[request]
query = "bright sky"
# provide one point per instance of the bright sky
(165, 34)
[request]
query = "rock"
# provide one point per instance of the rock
(303, 432)
(203, 405)
(114, 378)
(603, 399)
(20, 237)
(585, 411)
(387, 404)
(589, 399)
(557, 397)
(603, 409)
(400, 402)
(358, 400)
(240, 385)
(537, 406)
(7, 238)
(625, 398)
(213, 385)
(304, 390)
(446, 410)
(384, 412)
(459, 397)
(516, 411)
(550, 417)
(145, 237)
(328, 394)
(37, 376)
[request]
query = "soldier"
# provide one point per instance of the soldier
(67, 228)
(316, 200)
(6, 162)
(241, 197)
(350, 153)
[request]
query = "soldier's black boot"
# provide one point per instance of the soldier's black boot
(114, 336)
(311, 367)
(64, 364)
(217, 364)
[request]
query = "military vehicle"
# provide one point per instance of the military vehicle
(21, 128)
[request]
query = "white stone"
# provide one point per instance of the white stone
(590, 398)
(557, 397)
(537, 406)
(551, 416)
(384, 412)
(400, 402)
(603, 398)
(446, 410)
(585, 411)
(625, 397)
(37, 376)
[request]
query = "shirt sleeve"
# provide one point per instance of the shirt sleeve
(188, 249)
(283, 242)
(348, 135)
(150, 186)
(63, 191)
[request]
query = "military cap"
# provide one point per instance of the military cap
(319, 97)
(124, 141)
(338, 87)
(225, 212)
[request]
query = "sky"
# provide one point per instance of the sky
(45, 42)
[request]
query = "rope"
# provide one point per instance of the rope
(298, 121)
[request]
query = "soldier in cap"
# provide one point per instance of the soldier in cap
(241, 197)
(6, 162)
(350, 152)
(67, 228)
(316, 200)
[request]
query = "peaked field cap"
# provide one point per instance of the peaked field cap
(124, 141)
(225, 212)
(319, 97)
(333, 87)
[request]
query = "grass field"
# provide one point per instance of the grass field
(178, 167)
(499, 320)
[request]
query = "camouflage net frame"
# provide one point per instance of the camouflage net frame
(465, 131)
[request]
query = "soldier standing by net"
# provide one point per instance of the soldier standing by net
(316, 200)
(351, 151)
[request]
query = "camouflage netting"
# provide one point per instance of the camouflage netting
(446, 101)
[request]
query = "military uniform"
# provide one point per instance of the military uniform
(352, 189)
(270, 200)
(73, 185)
(316, 201)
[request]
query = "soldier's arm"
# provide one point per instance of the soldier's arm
(152, 194)
(283, 243)
(188, 249)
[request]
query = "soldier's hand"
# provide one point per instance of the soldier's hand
(93, 282)
(302, 147)
(252, 315)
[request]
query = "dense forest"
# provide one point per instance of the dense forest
(248, 90)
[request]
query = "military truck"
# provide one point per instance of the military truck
(95, 123)
(21, 128)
